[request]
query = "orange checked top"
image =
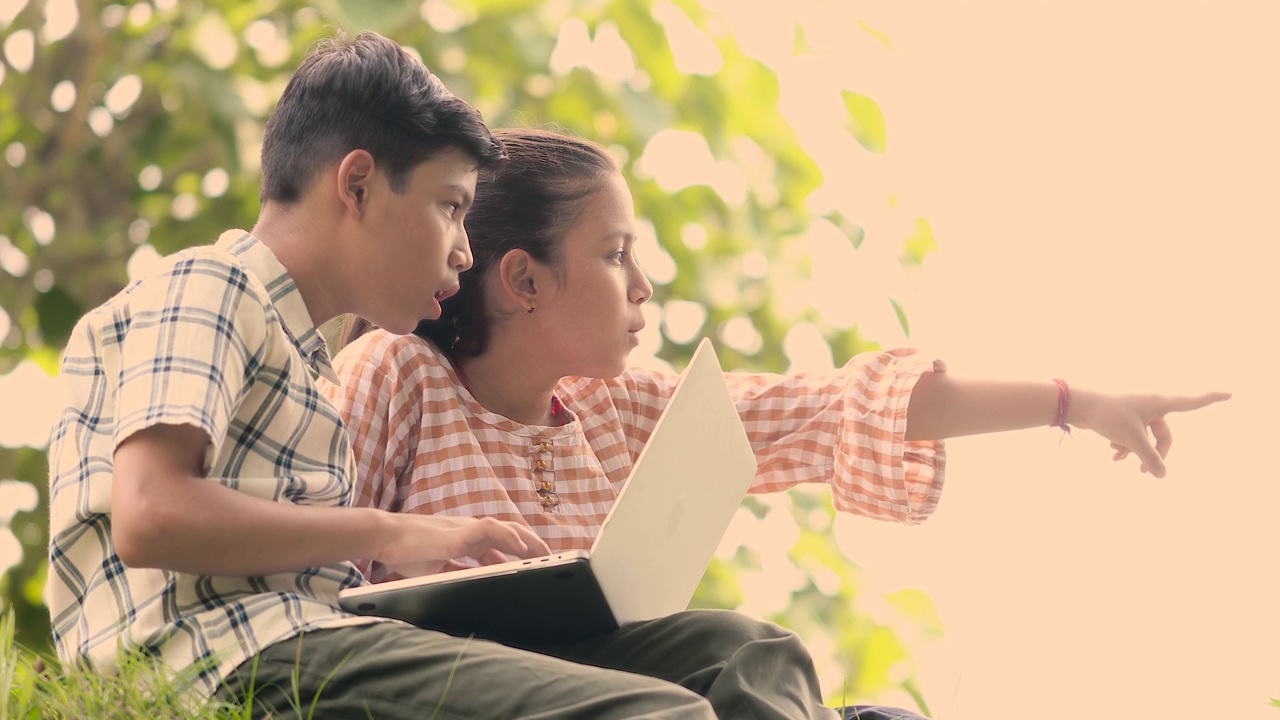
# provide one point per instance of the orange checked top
(423, 444)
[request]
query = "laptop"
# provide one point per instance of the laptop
(651, 553)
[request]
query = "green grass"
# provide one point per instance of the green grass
(34, 687)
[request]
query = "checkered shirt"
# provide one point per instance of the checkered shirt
(423, 444)
(218, 338)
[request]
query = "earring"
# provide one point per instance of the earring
(530, 310)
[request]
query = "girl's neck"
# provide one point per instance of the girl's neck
(508, 387)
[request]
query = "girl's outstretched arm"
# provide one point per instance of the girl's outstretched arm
(943, 406)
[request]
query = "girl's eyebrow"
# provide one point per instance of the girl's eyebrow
(626, 235)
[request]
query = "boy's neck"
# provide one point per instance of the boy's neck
(307, 254)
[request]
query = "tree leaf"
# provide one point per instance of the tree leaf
(58, 313)
(851, 229)
(918, 244)
(916, 606)
(866, 121)
(880, 35)
(902, 317)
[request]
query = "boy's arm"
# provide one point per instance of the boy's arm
(943, 406)
(165, 514)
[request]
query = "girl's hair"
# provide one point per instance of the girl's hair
(368, 94)
(527, 202)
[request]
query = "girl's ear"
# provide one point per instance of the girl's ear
(355, 175)
(521, 279)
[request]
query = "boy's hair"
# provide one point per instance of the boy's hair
(365, 94)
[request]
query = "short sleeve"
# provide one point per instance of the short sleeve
(196, 333)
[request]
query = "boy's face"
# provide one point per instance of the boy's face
(416, 243)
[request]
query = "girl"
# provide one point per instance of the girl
(518, 403)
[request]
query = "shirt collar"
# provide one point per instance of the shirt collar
(259, 260)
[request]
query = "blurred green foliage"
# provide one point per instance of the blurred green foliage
(138, 127)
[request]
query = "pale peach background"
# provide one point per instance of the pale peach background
(1103, 178)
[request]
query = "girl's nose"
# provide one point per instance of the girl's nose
(642, 288)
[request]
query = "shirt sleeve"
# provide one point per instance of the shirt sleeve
(846, 429)
(195, 336)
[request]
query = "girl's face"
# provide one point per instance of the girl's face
(591, 316)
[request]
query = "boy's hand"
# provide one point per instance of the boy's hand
(425, 544)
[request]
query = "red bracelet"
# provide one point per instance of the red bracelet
(1064, 401)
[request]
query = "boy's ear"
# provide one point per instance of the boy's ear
(520, 278)
(355, 175)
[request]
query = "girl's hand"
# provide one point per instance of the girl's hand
(1125, 420)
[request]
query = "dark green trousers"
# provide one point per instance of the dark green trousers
(694, 664)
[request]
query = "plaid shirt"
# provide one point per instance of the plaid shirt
(220, 339)
(423, 444)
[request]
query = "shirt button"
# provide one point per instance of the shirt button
(540, 464)
(545, 445)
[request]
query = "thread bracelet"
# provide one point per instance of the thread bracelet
(1064, 402)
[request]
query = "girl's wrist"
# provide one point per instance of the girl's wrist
(1063, 406)
(1079, 408)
